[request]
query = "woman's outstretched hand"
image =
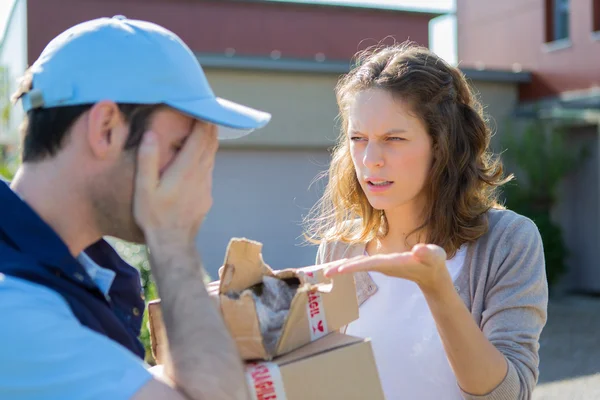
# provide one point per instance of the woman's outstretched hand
(425, 265)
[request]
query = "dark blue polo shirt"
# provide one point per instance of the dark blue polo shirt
(48, 295)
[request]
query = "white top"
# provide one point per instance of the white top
(410, 357)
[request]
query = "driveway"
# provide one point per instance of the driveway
(570, 350)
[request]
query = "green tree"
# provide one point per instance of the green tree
(8, 163)
(8, 157)
(5, 104)
(136, 256)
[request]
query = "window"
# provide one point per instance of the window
(596, 15)
(557, 20)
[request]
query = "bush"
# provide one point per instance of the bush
(136, 256)
(555, 250)
(8, 163)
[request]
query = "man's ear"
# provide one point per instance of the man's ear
(107, 130)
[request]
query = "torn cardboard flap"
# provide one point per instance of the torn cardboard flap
(318, 306)
(272, 312)
(245, 257)
(243, 266)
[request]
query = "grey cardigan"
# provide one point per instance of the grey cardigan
(503, 284)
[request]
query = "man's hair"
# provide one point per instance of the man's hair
(44, 130)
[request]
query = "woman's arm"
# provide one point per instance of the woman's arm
(515, 309)
(499, 359)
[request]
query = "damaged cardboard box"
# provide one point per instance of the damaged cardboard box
(337, 366)
(271, 312)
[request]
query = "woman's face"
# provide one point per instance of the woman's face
(390, 148)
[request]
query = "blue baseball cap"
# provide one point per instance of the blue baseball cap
(132, 61)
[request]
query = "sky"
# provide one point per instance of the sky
(442, 29)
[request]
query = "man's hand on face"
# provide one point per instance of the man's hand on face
(169, 207)
(173, 206)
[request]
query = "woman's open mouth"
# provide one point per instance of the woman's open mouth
(378, 185)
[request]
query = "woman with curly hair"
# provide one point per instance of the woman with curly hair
(451, 285)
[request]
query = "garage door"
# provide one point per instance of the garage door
(262, 195)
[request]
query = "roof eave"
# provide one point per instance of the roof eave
(335, 67)
(357, 6)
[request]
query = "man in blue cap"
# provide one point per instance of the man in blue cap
(121, 135)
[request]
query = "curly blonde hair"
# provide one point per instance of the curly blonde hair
(464, 179)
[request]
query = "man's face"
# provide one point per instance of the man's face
(113, 195)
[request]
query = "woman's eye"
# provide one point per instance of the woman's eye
(396, 138)
(356, 138)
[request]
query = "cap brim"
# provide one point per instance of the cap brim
(234, 120)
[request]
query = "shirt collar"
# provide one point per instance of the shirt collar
(102, 277)
(30, 235)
